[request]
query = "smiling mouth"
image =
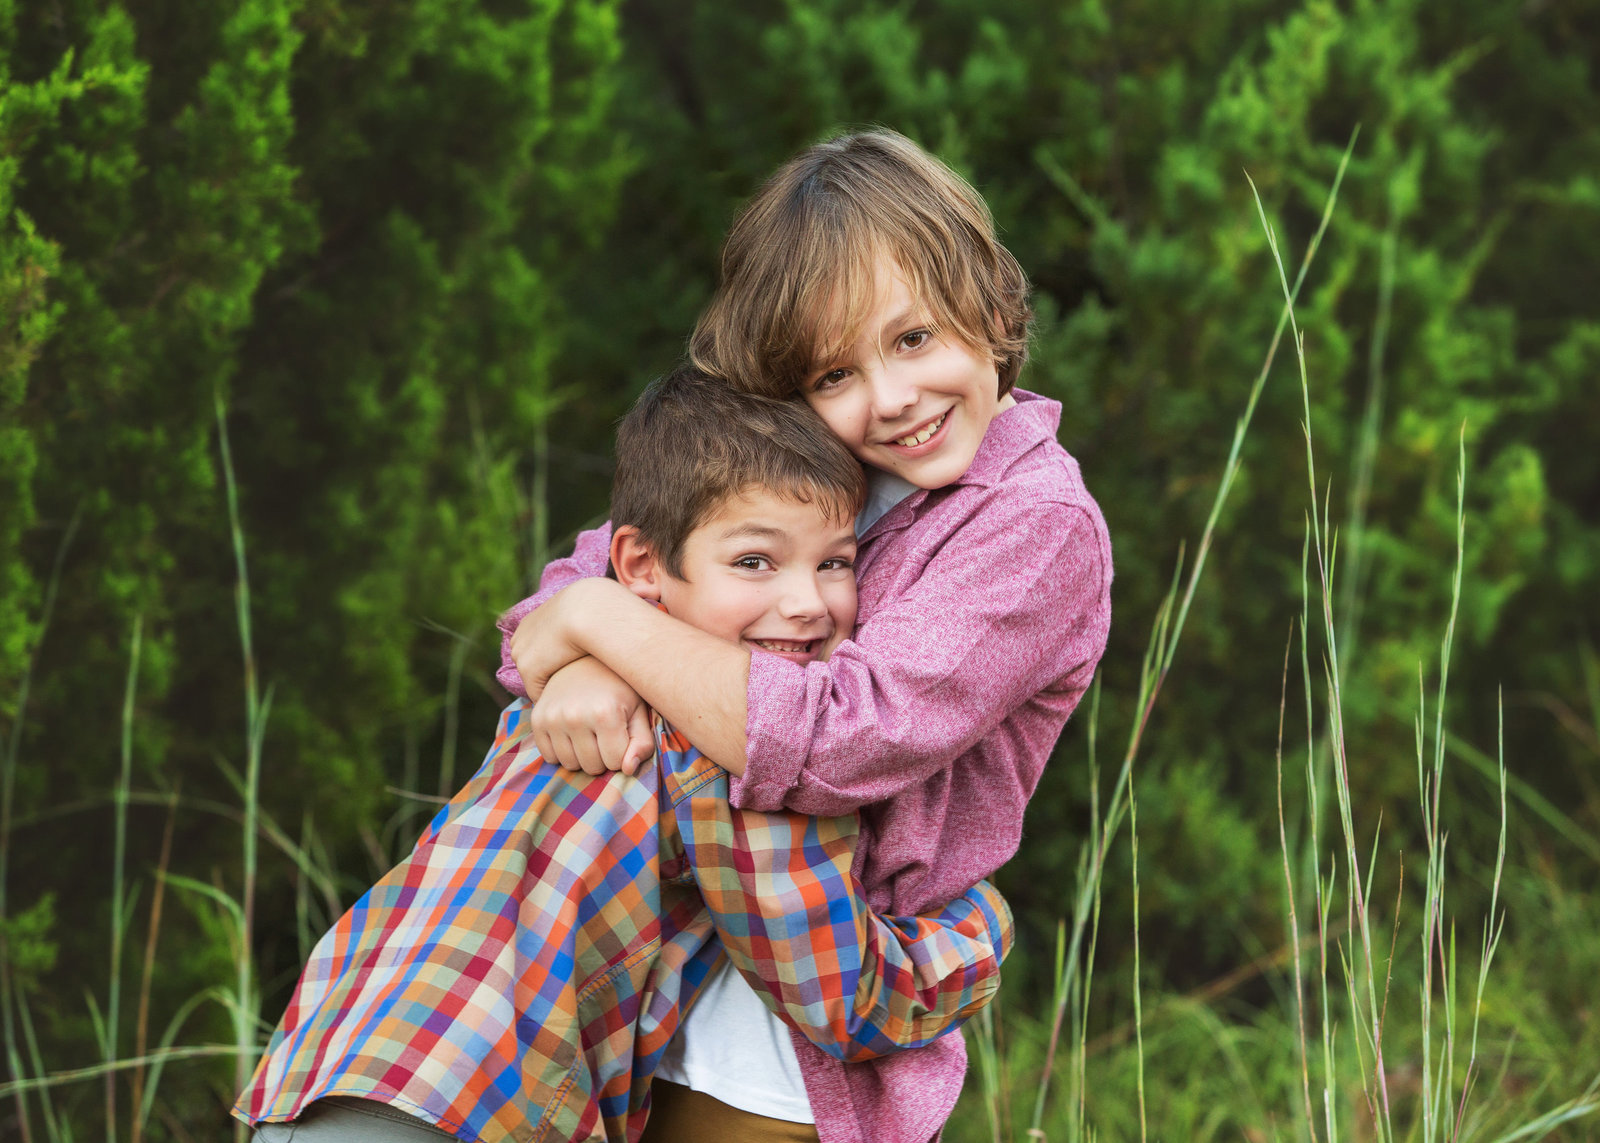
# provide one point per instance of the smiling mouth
(787, 646)
(921, 436)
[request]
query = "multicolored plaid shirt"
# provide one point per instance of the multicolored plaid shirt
(518, 976)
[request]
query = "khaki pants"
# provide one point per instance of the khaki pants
(680, 1115)
(677, 1115)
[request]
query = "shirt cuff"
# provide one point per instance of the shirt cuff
(511, 681)
(508, 676)
(997, 917)
(778, 728)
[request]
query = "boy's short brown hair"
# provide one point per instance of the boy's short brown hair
(692, 441)
(798, 265)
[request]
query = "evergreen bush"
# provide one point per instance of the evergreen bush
(425, 252)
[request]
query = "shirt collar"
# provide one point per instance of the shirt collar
(885, 490)
(1030, 422)
(1013, 432)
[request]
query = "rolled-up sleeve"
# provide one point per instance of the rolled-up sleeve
(795, 922)
(1016, 601)
(589, 557)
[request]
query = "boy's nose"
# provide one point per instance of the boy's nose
(802, 599)
(892, 394)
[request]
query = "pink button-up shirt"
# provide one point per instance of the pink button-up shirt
(984, 608)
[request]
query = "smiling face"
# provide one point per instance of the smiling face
(903, 399)
(770, 573)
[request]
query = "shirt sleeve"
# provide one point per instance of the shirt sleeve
(1016, 602)
(589, 557)
(795, 922)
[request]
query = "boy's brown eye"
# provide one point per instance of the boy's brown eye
(915, 339)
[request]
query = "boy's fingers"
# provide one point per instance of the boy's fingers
(614, 743)
(641, 739)
(588, 752)
(551, 743)
(562, 753)
(610, 745)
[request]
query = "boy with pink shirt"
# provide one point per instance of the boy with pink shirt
(865, 279)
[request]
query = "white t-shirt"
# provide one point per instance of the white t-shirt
(732, 1048)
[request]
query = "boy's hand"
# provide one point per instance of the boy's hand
(589, 719)
(542, 643)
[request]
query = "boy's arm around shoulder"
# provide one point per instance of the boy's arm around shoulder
(588, 558)
(794, 920)
(1015, 602)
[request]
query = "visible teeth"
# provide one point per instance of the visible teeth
(919, 438)
(776, 645)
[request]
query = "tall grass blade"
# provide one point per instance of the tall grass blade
(119, 876)
(1494, 924)
(55, 1127)
(1138, 991)
(165, 1052)
(989, 1068)
(255, 730)
(1574, 1109)
(142, 1024)
(98, 1071)
(1294, 917)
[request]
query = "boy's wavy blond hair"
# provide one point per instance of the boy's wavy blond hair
(799, 264)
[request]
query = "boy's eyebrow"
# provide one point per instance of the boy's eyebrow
(912, 312)
(755, 531)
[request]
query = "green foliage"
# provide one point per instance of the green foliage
(426, 252)
(27, 262)
(354, 224)
(27, 940)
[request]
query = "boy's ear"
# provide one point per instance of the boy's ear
(636, 564)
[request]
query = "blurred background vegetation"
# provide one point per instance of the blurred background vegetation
(424, 252)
